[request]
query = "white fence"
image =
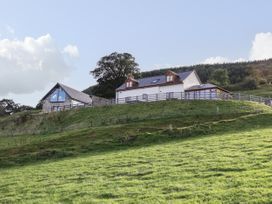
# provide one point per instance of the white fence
(192, 96)
(177, 96)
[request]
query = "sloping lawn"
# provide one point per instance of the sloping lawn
(210, 152)
(227, 168)
(265, 91)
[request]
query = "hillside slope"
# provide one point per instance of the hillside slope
(199, 151)
(35, 123)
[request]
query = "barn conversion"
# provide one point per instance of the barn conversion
(171, 85)
(62, 97)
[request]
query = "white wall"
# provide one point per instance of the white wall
(191, 80)
(172, 88)
(159, 90)
(76, 103)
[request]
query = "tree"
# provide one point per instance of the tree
(39, 106)
(111, 72)
(220, 77)
(8, 106)
(25, 108)
(249, 83)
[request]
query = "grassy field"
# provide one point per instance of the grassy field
(265, 91)
(180, 152)
(33, 123)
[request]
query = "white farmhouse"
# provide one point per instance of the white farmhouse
(171, 85)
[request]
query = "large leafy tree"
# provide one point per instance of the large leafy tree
(220, 77)
(8, 106)
(111, 72)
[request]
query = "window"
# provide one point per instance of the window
(169, 95)
(128, 99)
(58, 96)
(169, 78)
(56, 108)
(155, 81)
(129, 84)
(145, 97)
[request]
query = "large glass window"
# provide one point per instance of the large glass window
(58, 96)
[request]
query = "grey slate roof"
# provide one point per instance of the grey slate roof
(72, 93)
(202, 86)
(155, 80)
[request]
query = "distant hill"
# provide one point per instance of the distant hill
(241, 75)
(260, 71)
(204, 71)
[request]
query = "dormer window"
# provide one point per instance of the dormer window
(129, 84)
(169, 78)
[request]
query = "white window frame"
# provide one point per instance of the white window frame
(169, 95)
(129, 84)
(127, 99)
(169, 78)
(145, 97)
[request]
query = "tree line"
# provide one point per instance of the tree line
(232, 76)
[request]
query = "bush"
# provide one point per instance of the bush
(233, 87)
(249, 83)
(262, 81)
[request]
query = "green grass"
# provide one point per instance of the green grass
(264, 91)
(27, 123)
(179, 152)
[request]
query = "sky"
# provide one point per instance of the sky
(47, 41)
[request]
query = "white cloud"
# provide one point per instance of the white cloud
(30, 65)
(221, 60)
(215, 60)
(240, 60)
(71, 50)
(261, 47)
(163, 66)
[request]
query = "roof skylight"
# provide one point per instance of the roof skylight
(155, 81)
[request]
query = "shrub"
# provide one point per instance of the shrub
(249, 83)
(262, 81)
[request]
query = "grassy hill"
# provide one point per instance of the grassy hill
(264, 91)
(179, 151)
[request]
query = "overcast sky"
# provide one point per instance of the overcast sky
(47, 41)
